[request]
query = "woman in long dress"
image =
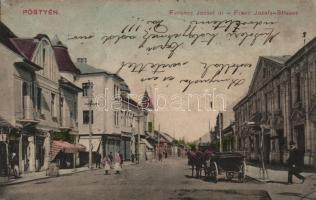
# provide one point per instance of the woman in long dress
(107, 165)
(117, 163)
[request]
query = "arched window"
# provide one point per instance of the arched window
(44, 56)
(24, 98)
(24, 89)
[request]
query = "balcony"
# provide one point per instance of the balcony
(68, 125)
(28, 117)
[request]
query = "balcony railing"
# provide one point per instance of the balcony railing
(28, 115)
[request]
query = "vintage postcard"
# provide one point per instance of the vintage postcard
(157, 99)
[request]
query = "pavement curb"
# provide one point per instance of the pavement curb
(43, 178)
(257, 179)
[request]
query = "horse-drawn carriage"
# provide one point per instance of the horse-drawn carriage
(232, 163)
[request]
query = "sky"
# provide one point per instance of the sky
(102, 19)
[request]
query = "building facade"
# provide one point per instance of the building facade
(34, 87)
(115, 116)
(280, 106)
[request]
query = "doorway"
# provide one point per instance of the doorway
(281, 143)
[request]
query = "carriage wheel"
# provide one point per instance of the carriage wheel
(242, 172)
(214, 169)
(229, 175)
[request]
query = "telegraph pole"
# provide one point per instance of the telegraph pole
(220, 131)
(158, 140)
(138, 138)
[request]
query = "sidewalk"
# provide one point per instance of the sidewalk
(42, 175)
(274, 175)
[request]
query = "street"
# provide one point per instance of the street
(170, 179)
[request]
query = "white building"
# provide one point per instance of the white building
(114, 114)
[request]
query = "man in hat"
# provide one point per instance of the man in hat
(295, 163)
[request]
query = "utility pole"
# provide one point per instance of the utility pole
(0, 10)
(90, 123)
(138, 144)
(138, 138)
(158, 140)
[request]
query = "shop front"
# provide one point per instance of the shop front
(112, 143)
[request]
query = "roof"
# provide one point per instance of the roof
(124, 87)
(26, 46)
(310, 45)
(129, 100)
(88, 69)
(146, 101)
(63, 59)
(65, 82)
(5, 37)
(21, 46)
(278, 59)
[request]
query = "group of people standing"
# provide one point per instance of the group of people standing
(110, 162)
(161, 154)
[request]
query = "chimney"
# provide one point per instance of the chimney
(82, 60)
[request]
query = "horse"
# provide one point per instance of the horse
(190, 155)
(195, 159)
(207, 154)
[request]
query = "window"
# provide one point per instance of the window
(24, 89)
(39, 100)
(44, 57)
(24, 99)
(264, 72)
(116, 91)
(85, 88)
(150, 127)
(86, 117)
(52, 107)
(266, 102)
(298, 87)
(279, 97)
(116, 118)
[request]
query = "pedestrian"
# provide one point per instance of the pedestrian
(111, 159)
(133, 157)
(166, 154)
(15, 165)
(106, 163)
(121, 157)
(117, 163)
(98, 160)
(160, 156)
(295, 163)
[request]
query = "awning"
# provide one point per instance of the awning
(57, 146)
(5, 123)
(95, 141)
(148, 145)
